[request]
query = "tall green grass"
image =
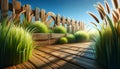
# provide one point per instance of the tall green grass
(16, 45)
(107, 46)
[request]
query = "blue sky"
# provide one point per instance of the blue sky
(75, 9)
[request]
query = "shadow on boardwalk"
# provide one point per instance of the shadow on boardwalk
(66, 56)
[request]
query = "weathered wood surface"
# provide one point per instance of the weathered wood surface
(67, 56)
(4, 8)
(46, 38)
(40, 36)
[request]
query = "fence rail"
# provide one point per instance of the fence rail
(46, 38)
(39, 14)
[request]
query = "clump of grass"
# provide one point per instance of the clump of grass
(59, 29)
(107, 43)
(38, 27)
(81, 36)
(63, 40)
(70, 38)
(16, 45)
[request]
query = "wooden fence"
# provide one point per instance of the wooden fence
(39, 14)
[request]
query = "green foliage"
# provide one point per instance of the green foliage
(60, 29)
(63, 40)
(70, 38)
(50, 31)
(38, 27)
(81, 36)
(107, 46)
(16, 45)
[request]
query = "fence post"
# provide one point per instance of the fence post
(76, 26)
(57, 22)
(63, 21)
(42, 15)
(37, 10)
(4, 8)
(82, 26)
(16, 10)
(28, 14)
(73, 23)
(68, 28)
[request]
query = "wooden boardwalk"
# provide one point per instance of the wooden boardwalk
(67, 56)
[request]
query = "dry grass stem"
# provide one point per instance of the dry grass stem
(94, 24)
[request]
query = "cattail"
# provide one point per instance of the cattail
(114, 18)
(101, 6)
(116, 14)
(107, 6)
(101, 14)
(115, 3)
(94, 16)
(118, 10)
(102, 10)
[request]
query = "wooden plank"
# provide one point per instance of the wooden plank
(62, 64)
(46, 36)
(37, 62)
(4, 8)
(20, 66)
(40, 36)
(81, 53)
(63, 56)
(75, 51)
(55, 35)
(48, 63)
(28, 65)
(84, 62)
(53, 51)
